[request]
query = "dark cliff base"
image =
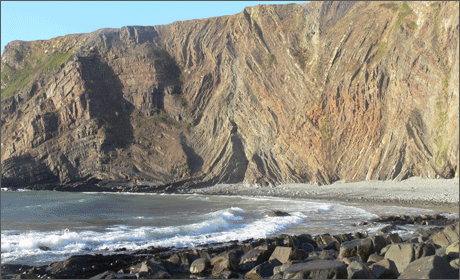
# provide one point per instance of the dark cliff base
(431, 253)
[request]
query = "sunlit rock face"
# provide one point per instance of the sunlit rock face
(317, 92)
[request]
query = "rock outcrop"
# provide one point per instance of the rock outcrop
(317, 92)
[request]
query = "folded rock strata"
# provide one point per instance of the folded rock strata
(317, 92)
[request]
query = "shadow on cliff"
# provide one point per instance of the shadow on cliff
(106, 102)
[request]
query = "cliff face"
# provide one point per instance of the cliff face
(317, 92)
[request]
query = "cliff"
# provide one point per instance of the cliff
(318, 92)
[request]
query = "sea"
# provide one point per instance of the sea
(41, 227)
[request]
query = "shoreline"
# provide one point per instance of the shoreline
(434, 194)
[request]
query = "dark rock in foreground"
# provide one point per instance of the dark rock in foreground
(434, 255)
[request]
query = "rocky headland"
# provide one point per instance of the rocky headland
(313, 93)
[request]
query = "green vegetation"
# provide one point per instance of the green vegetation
(446, 82)
(393, 6)
(412, 25)
(325, 129)
(18, 78)
(55, 61)
(435, 4)
(271, 59)
(301, 57)
(186, 169)
(403, 13)
(381, 50)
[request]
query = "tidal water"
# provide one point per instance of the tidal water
(40, 227)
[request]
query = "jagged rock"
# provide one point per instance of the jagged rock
(373, 258)
(191, 86)
(284, 254)
(263, 270)
(452, 250)
(431, 267)
(404, 253)
(254, 257)
(359, 270)
(317, 269)
(445, 237)
(226, 261)
(362, 248)
(385, 269)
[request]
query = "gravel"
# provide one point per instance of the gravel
(415, 190)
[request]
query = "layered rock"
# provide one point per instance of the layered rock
(316, 92)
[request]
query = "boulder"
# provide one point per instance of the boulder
(316, 269)
(307, 247)
(200, 265)
(421, 232)
(373, 258)
(431, 267)
(391, 238)
(151, 267)
(446, 237)
(452, 250)
(384, 269)
(226, 261)
(277, 213)
(359, 270)
(263, 270)
(379, 242)
(362, 248)
(229, 275)
(404, 253)
(252, 258)
(324, 255)
(324, 239)
(281, 268)
(283, 254)
(454, 263)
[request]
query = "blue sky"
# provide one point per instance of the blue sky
(41, 20)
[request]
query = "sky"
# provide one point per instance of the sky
(42, 20)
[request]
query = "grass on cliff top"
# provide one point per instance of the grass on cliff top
(18, 78)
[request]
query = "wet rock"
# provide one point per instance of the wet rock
(404, 253)
(44, 248)
(277, 213)
(359, 270)
(316, 269)
(362, 248)
(431, 267)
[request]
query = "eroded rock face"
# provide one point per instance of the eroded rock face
(277, 93)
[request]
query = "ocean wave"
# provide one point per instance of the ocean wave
(219, 226)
